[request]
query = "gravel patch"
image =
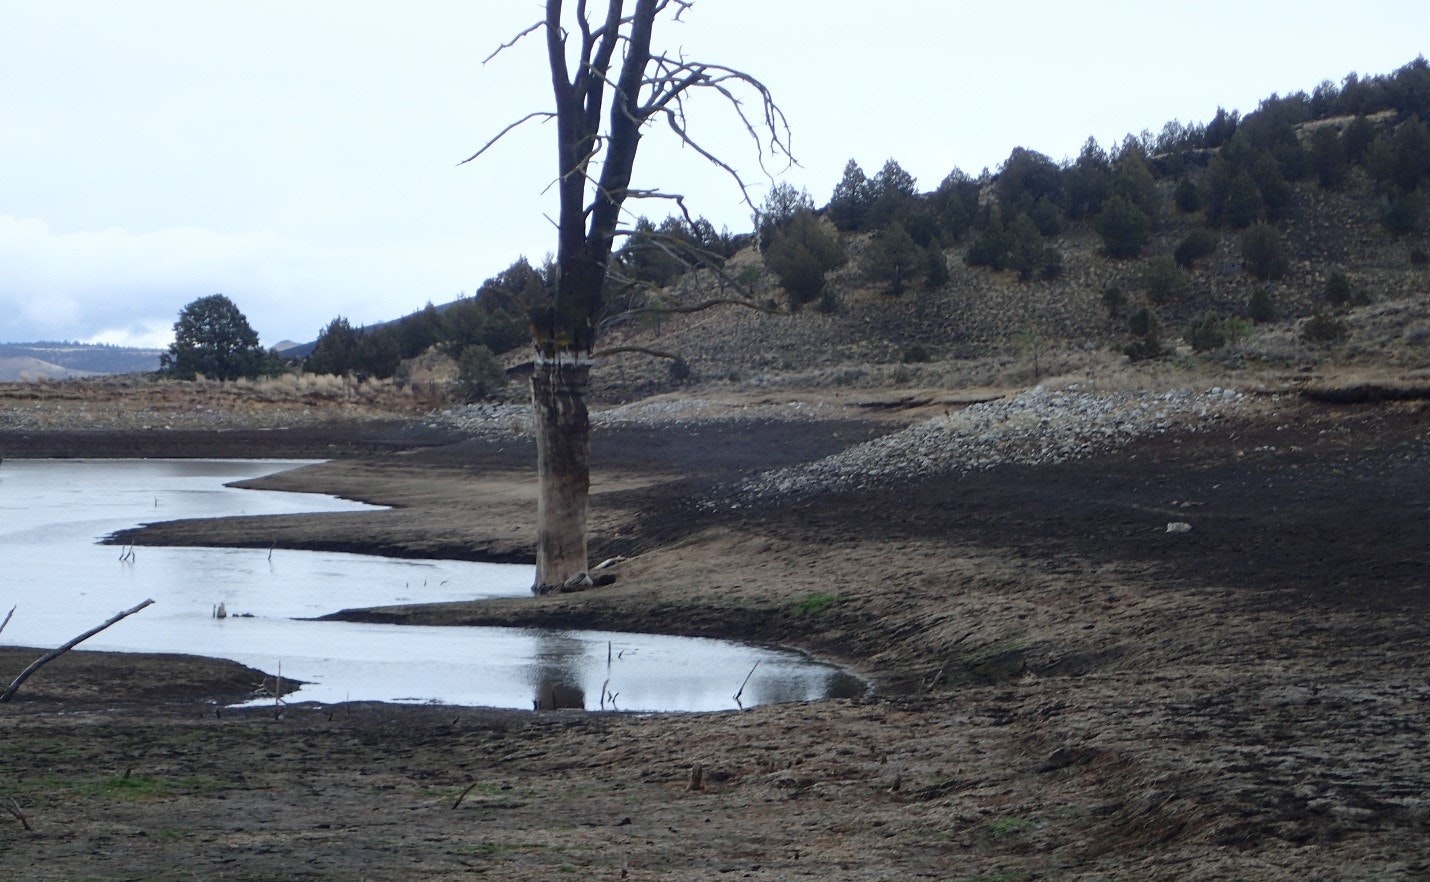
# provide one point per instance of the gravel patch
(514, 420)
(1035, 427)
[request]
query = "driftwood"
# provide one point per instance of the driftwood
(56, 653)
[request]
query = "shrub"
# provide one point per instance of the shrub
(1187, 196)
(1162, 279)
(1328, 157)
(1243, 202)
(1206, 333)
(1400, 213)
(917, 354)
(479, 374)
(1418, 257)
(1322, 329)
(1143, 350)
(1114, 298)
(1146, 330)
(1263, 254)
(1144, 323)
(1338, 291)
(800, 254)
(679, 369)
(1260, 308)
(935, 266)
(1052, 262)
(1198, 243)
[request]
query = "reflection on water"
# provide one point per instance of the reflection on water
(555, 672)
(52, 513)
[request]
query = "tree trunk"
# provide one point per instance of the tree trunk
(563, 443)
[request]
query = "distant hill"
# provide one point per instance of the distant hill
(49, 360)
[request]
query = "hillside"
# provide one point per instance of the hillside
(1290, 240)
(56, 361)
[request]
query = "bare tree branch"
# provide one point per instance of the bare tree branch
(531, 29)
(535, 114)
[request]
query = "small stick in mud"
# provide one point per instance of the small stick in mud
(14, 808)
(56, 653)
(470, 787)
(744, 684)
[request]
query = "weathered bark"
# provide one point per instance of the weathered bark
(607, 85)
(563, 442)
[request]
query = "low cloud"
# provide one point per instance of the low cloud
(127, 288)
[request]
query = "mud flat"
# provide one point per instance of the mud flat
(1066, 689)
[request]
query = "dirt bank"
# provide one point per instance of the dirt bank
(1067, 689)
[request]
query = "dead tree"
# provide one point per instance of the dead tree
(608, 86)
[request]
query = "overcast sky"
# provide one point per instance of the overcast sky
(301, 157)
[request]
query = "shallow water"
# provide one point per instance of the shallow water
(53, 512)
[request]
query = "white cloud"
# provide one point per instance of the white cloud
(117, 286)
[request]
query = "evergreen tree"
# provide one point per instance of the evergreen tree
(1125, 228)
(1086, 182)
(935, 266)
(1187, 196)
(1262, 253)
(1134, 182)
(479, 374)
(1025, 177)
(893, 259)
(1243, 203)
(1197, 244)
(893, 195)
(1357, 139)
(335, 351)
(781, 204)
(377, 354)
(801, 254)
(1028, 255)
(213, 338)
(1328, 157)
(956, 204)
(851, 199)
(993, 244)
(1276, 193)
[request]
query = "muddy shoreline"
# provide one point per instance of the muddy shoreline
(1066, 690)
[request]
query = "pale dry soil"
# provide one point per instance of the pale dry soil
(1063, 689)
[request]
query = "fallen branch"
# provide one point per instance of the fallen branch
(470, 788)
(744, 684)
(14, 808)
(56, 653)
(7, 619)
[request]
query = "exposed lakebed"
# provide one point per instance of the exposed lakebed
(61, 581)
